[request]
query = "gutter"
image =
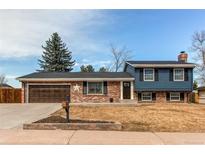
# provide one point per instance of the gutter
(75, 79)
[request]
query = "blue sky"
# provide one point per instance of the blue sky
(149, 34)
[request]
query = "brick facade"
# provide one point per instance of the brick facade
(161, 98)
(113, 91)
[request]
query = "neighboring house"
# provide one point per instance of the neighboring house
(5, 86)
(201, 95)
(162, 81)
(141, 81)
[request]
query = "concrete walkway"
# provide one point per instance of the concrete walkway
(14, 115)
(19, 136)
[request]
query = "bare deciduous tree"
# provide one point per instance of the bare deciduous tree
(3, 79)
(198, 47)
(120, 55)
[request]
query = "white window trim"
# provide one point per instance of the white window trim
(94, 93)
(148, 69)
(174, 74)
(146, 100)
(174, 93)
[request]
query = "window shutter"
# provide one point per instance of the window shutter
(141, 74)
(84, 87)
(154, 96)
(139, 97)
(168, 96)
(105, 87)
(181, 96)
(186, 75)
(171, 75)
(156, 75)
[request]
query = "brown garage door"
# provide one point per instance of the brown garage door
(48, 93)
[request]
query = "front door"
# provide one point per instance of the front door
(126, 90)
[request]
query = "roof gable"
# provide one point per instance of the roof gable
(165, 64)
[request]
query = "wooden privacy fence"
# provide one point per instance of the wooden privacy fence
(10, 95)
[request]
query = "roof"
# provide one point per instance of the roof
(157, 62)
(160, 64)
(201, 88)
(4, 85)
(74, 76)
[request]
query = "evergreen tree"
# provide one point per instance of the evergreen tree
(88, 68)
(56, 56)
(103, 69)
(195, 85)
(83, 68)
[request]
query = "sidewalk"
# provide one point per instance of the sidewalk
(18, 136)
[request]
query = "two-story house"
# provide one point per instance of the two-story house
(162, 81)
(141, 81)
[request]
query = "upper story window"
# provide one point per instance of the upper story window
(178, 74)
(148, 74)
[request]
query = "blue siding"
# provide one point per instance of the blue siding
(163, 84)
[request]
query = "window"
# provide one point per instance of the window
(179, 74)
(174, 96)
(95, 87)
(148, 74)
(147, 96)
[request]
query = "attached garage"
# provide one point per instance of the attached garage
(48, 93)
(91, 87)
(201, 93)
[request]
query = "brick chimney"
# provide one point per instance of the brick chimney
(182, 57)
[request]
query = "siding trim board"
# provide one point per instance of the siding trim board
(162, 65)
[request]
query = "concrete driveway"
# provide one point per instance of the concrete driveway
(14, 115)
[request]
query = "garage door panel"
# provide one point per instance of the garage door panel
(48, 93)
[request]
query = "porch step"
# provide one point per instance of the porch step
(128, 101)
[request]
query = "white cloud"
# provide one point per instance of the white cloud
(95, 63)
(22, 32)
(11, 76)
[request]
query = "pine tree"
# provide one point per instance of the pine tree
(195, 85)
(56, 56)
(88, 68)
(103, 69)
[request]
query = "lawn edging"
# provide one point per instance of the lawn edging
(73, 126)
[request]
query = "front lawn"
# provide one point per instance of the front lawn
(148, 117)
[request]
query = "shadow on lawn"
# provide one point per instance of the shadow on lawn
(59, 119)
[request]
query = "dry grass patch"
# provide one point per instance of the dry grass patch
(149, 117)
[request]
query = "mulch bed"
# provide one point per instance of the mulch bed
(59, 119)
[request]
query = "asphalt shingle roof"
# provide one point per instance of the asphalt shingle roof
(77, 75)
(157, 62)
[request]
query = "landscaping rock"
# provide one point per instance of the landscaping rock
(73, 126)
